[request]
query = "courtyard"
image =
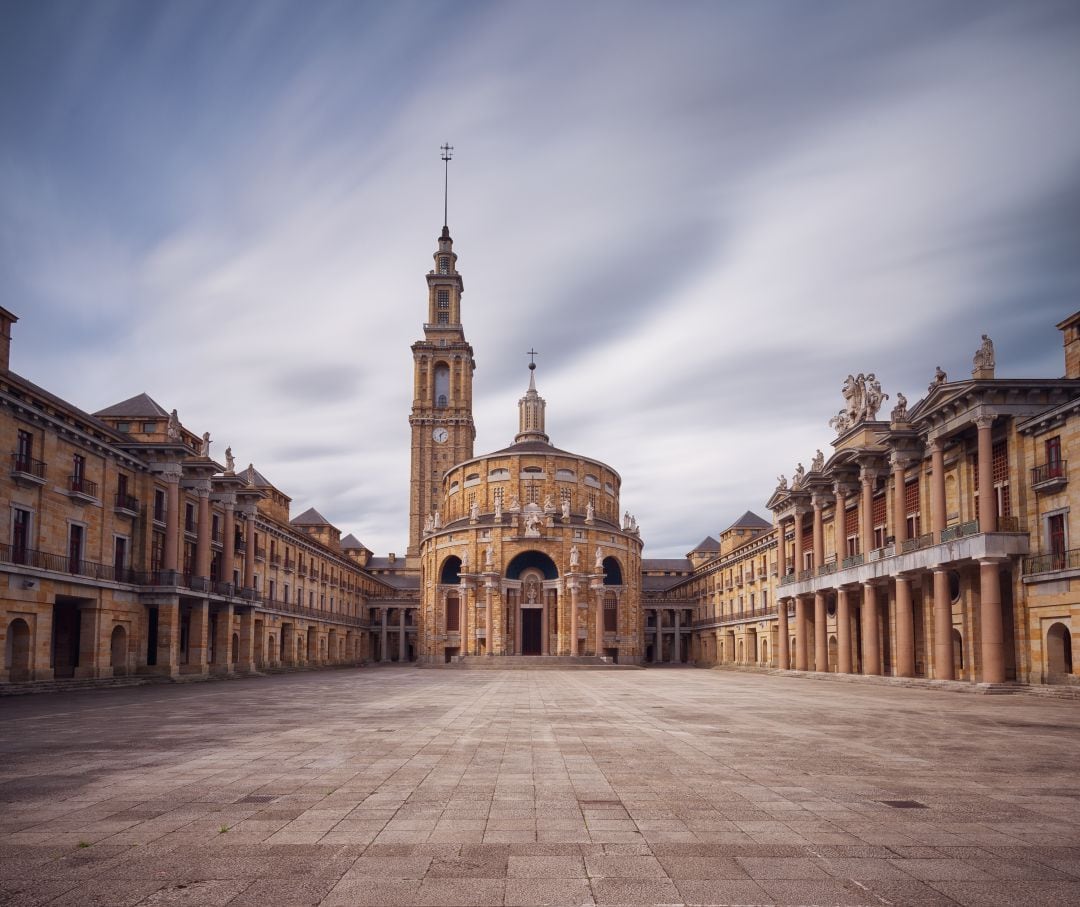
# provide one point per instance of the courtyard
(388, 785)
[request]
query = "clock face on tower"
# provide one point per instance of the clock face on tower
(440, 435)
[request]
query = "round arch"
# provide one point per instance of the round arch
(528, 559)
(450, 572)
(18, 649)
(612, 572)
(1059, 650)
(118, 650)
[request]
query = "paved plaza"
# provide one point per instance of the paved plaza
(396, 785)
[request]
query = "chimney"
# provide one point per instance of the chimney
(7, 319)
(392, 558)
(1070, 328)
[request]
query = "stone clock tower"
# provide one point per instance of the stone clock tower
(441, 419)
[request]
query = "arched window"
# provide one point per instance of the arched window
(442, 386)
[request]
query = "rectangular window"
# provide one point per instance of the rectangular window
(611, 614)
(189, 558)
(271, 590)
(189, 517)
(125, 427)
(157, 551)
(443, 297)
(1055, 526)
(24, 452)
(159, 505)
(75, 548)
(119, 557)
(20, 536)
(78, 472)
(149, 428)
(443, 318)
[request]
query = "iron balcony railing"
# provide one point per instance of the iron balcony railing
(260, 554)
(1049, 472)
(27, 465)
(290, 564)
(240, 546)
(61, 563)
(127, 502)
(1055, 560)
(82, 485)
(915, 544)
(961, 530)
(853, 560)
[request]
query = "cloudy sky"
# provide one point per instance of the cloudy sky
(704, 216)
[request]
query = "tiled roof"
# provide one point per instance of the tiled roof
(707, 544)
(253, 477)
(666, 564)
(312, 517)
(750, 520)
(349, 543)
(135, 407)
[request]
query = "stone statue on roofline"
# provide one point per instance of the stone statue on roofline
(899, 412)
(797, 478)
(781, 483)
(984, 356)
(939, 378)
(818, 463)
(230, 461)
(172, 430)
(204, 447)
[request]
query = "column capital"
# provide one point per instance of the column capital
(867, 474)
(983, 421)
(170, 472)
(200, 486)
(842, 489)
(935, 445)
(899, 461)
(819, 499)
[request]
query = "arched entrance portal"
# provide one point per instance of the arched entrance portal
(17, 657)
(1058, 652)
(532, 609)
(118, 651)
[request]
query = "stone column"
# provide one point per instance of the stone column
(866, 513)
(168, 638)
(198, 639)
(988, 516)
(489, 618)
(223, 640)
(228, 541)
(288, 642)
(91, 658)
(819, 531)
(899, 527)
(839, 530)
(249, 554)
(170, 556)
(573, 617)
(905, 629)
(202, 538)
(545, 643)
(783, 646)
(246, 664)
(402, 647)
(871, 646)
(600, 621)
(937, 490)
(992, 643)
(843, 632)
(798, 555)
(800, 634)
(821, 639)
(384, 639)
(676, 645)
(943, 642)
(658, 644)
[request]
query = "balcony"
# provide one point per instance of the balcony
(260, 554)
(1053, 562)
(61, 563)
(962, 530)
(915, 544)
(82, 489)
(961, 543)
(290, 564)
(28, 470)
(216, 537)
(301, 570)
(1050, 477)
(126, 504)
(240, 546)
(275, 560)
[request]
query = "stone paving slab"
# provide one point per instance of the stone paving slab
(401, 786)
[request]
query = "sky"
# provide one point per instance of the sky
(704, 216)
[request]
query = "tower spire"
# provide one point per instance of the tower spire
(447, 155)
(531, 409)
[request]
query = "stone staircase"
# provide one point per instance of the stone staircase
(534, 663)
(68, 684)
